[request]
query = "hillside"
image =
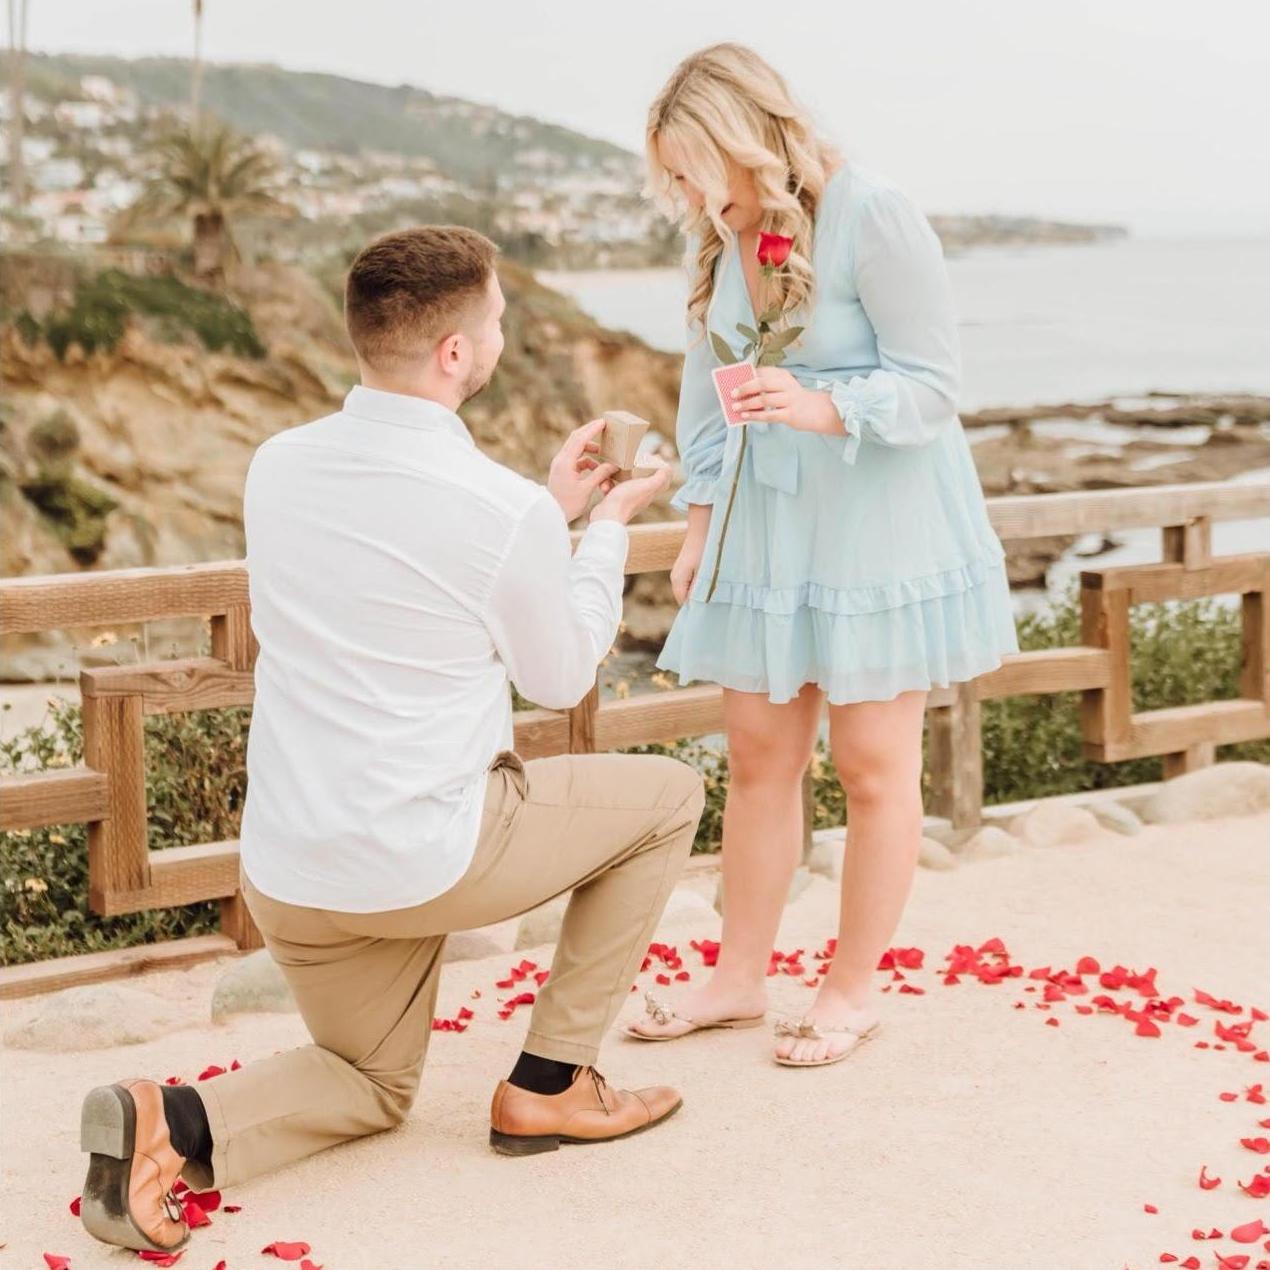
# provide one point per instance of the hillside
(308, 110)
(135, 453)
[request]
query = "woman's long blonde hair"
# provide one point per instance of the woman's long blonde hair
(725, 102)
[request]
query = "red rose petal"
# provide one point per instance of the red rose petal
(208, 1201)
(1207, 1183)
(306, 1264)
(232, 1208)
(1258, 1186)
(1191, 1263)
(1147, 1028)
(194, 1214)
(1167, 1257)
(235, 1066)
(1260, 1145)
(286, 1251)
(174, 1080)
(208, 1072)
(1149, 1208)
(1250, 1232)
(160, 1258)
(56, 1262)
(1088, 966)
(1236, 1261)
(664, 980)
(1051, 1022)
(220, 1265)
(1228, 1097)
(1084, 1009)
(75, 1206)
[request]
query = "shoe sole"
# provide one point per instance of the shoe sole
(837, 1058)
(108, 1131)
(724, 1025)
(521, 1144)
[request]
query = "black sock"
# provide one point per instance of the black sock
(187, 1123)
(541, 1075)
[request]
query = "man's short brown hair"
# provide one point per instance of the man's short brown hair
(408, 289)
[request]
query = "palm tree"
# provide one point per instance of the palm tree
(196, 73)
(17, 92)
(210, 173)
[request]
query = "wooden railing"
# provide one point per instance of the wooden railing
(108, 791)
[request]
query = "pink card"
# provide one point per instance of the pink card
(726, 378)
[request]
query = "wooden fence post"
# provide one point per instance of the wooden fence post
(234, 643)
(956, 759)
(1191, 545)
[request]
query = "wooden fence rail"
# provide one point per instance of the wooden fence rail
(108, 791)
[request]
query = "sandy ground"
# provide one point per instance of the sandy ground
(969, 1134)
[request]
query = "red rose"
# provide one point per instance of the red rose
(773, 249)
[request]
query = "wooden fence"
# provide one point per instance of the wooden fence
(108, 791)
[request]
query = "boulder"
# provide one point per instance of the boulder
(827, 850)
(1116, 816)
(934, 855)
(542, 925)
(252, 985)
(1225, 789)
(471, 945)
(989, 843)
(93, 1017)
(1055, 824)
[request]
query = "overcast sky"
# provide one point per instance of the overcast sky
(1154, 113)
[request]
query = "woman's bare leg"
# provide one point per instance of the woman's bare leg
(769, 747)
(877, 749)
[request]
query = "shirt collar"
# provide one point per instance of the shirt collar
(409, 412)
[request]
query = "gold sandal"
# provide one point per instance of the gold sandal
(662, 1014)
(805, 1030)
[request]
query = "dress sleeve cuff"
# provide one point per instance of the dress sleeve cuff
(846, 400)
(697, 489)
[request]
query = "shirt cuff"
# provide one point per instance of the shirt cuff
(607, 536)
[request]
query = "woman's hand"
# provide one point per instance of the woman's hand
(683, 573)
(775, 396)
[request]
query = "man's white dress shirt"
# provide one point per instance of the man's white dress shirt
(399, 578)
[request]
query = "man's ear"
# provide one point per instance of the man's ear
(449, 352)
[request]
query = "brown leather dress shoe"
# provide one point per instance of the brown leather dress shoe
(525, 1123)
(128, 1198)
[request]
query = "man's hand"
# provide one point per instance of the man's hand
(575, 475)
(626, 498)
(775, 396)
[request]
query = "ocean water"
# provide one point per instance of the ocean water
(1049, 324)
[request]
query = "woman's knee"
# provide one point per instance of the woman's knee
(756, 756)
(873, 778)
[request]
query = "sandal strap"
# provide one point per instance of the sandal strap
(806, 1030)
(661, 1012)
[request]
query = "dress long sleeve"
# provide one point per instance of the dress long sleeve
(904, 290)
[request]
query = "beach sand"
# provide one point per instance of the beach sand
(968, 1134)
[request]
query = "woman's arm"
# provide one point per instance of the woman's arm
(904, 290)
(700, 431)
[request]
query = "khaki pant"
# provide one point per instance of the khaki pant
(615, 829)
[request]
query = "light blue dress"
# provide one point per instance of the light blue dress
(863, 563)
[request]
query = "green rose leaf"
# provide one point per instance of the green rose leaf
(722, 349)
(748, 331)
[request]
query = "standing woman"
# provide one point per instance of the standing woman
(843, 553)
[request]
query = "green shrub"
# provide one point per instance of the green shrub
(196, 775)
(196, 780)
(102, 305)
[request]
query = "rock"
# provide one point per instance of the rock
(471, 945)
(96, 1016)
(989, 843)
(542, 925)
(827, 850)
(1055, 824)
(1225, 789)
(934, 855)
(252, 985)
(687, 907)
(1116, 816)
